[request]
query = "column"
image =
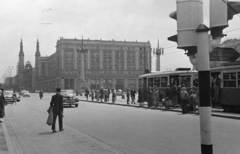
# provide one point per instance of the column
(125, 83)
(88, 59)
(62, 83)
(137, 60)
(113, 60)
(101, 59)
(62, 58)
(125, 60)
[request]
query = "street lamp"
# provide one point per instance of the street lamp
(158, 52)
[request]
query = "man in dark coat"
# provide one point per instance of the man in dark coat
(57, 104)
(133, 93)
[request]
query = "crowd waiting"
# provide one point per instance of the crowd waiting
(172, 97)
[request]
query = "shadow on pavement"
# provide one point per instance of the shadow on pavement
(45, 133)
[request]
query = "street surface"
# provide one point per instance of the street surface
(108, 128)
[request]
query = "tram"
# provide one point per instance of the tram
(228, 92)
(181, 76)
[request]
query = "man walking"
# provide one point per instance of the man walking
(57, 105)
(133, 93)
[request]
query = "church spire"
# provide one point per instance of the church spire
(21, 49)
(37, 54)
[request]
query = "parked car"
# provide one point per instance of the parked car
(69, 98)
(119, 92)
(8, 96)
(26, 94)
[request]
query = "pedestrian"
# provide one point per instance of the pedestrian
(101, 94)
(92, 94)
(168, 96)
(174, 96)
(97, 95)
(160, 99)
(140, 97)
(105, 94)
(193, 99)
(86, 93)
(179, 95)
(57, 105)
(149, 97)
(128, 96)
(133, 94)
(108, 94)
(14, 96)
(114, 96)
(155, 97)
(217, 85)
(41, 94)
(185, 100)
(2, 103)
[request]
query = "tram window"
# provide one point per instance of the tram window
(229, 80)
(157, 81)
(164, 81)
(150, 82)
(186, 81)
(140, 83)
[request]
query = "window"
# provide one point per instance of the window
(229, 79)
(150, 82)
(186, 81)
(164, 81)
(157, 81)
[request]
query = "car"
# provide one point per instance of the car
(26, 94)
(119, 92)
(8, 96)
(69, 98)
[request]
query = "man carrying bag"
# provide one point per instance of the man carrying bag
(57, 109)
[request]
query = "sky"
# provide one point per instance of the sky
(130, 20)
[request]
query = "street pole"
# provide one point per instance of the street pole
(204, 89)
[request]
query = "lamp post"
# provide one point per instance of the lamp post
(158, 53)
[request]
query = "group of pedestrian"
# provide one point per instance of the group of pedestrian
(102, 95)
(131, 93)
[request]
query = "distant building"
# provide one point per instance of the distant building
(115, 64)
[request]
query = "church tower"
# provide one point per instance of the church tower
(21, 58)
(37, 54)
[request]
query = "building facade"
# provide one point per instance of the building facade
(115, 64)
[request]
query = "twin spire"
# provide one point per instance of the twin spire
(21, 53)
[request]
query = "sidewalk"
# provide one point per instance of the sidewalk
(24, 131)
(122, 102)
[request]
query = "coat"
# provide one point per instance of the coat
(57, 103)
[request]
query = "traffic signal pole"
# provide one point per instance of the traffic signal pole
(203, 44)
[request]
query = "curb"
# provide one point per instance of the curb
(213, 114)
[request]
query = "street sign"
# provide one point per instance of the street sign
(224, 54)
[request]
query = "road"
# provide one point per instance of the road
(129, 130)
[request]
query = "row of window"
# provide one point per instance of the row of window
(163, 81)
(231, 80)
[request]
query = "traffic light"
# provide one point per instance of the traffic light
(220, 12)
(189, 16)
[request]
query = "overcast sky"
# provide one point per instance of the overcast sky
(48, 20)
